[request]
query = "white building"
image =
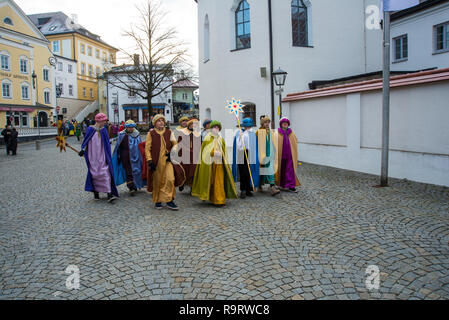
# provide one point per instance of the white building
(326, 40)
(420, 36)
(65, 77)
(124, 103)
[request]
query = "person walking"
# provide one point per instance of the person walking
(13, 141)
(6, 133)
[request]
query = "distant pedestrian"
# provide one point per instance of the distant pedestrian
(84, 129)
(6, 133)
(13, 141)
(77, 130)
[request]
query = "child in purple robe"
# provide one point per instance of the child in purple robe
(100, 174)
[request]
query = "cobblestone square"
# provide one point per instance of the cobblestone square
(316, 244)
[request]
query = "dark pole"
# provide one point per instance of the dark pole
(386, 101)
(270, 24)
(280, 102)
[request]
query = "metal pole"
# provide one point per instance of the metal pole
(386, 101)
(280, 103)
(270, 35)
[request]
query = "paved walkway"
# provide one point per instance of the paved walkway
(315, 244)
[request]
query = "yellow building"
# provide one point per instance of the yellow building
(26, 70)
(70, 40)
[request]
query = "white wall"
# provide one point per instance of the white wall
(230, 74)
(66, 78)
(419, 132)
(419, 28)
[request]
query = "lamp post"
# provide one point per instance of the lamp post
(279, 77)
(115, 107)
(34, 76)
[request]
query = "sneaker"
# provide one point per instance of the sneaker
(293, 190)
(171, 205)
(96, 196)
(274, 191)
(111, 197)
(158, 206)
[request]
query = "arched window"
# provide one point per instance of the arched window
(7, 89)
(206, 39)
(242, 26)
(299, 23)
(25, 90)
(8, 20)
(5, 60)
(23, 62)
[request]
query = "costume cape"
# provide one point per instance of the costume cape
(253, 158)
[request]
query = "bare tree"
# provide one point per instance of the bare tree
(159, 58)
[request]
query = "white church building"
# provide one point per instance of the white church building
(332, 52)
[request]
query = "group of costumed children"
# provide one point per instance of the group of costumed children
(266, 157)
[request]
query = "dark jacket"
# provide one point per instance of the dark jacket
(6, 136)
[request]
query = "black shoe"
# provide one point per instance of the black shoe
(293, 190)
(242, 195)
(111, 197)
(171, 205)
(249, 194)
(181, 188)
(158, 206)
(96, 196)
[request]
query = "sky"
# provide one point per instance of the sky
(109, 18)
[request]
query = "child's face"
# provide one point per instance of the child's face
(266, 124)
(216, 129)
(285, 125)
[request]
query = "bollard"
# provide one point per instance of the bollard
(38, 145)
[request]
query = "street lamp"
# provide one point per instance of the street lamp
(279, 77)
(115, 107)
(34, 76)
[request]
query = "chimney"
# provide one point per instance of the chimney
(136, 59)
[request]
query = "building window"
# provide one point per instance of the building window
(25, 92)
(45, 74)
(104, 56)
(91, 93)
(97, 71)
(5, 62)
(8, 20)
(206, 39)
(25, 117)
(132, 92)
(184, 96)
(23, 65)
(69, 68)
(55, 46)
(249, 111)
(47, 97)
(90, 71)
(400, 48)
(60, 89)
(132, 114)
(70, 90)
(97, 54)
(84, 92)
(64, 110)
(242, 26)
(83, 69)
(6, 89)
(299, 23)
(441, 37)
(83, 48)
(89, 51)
(60, 66)
(111, 58)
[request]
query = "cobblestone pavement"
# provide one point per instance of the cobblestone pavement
(315, 244)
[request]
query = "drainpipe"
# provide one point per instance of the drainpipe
(270, 24)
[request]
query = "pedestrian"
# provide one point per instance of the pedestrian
(13, 141)
(162, 175)
(127, 159)
(6, 133)
(245, 141)
(191, 145)
(206, 128)
(77, 130)
(66, 128)
(287, 157)
(213, 176)
(183, 137)
(96, 149)
(267, 155)
(84, 129)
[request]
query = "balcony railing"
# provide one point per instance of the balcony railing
(44, 131)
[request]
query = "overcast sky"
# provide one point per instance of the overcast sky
(108, 18)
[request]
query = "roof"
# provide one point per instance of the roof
(185, 84)
(54, 23)
(420, 7)
(372, 85)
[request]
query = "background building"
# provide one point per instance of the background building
(27, 72)
(125, 104)
(184, 102)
